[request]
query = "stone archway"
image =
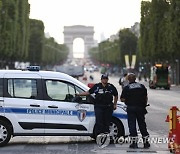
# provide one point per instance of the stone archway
(79, 31)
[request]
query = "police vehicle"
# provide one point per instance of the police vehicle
(43, 103)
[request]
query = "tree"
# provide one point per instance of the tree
(14, 30)
(174, 29)
(22, 39)
(36, 41)
(154, 31)
(159, 10)
(128, 43)
(54, 53)
(144, 49)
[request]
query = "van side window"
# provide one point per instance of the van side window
(1, 87)
(58, 90)
(23, 88)
(61, 91)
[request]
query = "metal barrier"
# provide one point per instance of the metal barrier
(174, 130)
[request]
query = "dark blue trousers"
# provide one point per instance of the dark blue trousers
(103, 118)
(137, 114)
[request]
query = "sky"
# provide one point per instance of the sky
(106, 16)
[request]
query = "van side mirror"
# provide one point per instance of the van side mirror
(77, 99)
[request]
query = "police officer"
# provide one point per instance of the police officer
(104, 103)
(135, 97)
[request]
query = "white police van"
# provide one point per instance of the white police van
(41, 103)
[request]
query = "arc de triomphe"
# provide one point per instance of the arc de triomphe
(79, 31)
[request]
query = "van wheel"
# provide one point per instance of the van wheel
(116, 129)
(5, 133)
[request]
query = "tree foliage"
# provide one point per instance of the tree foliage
(106, 53)
(128, 43)
(22, 39)
(54, 53)
(174, 29)
(159, 30)
(112, 52)
(36, 41)
(14, 29)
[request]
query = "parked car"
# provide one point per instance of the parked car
(43, 103)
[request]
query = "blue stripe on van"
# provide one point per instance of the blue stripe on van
(53, 112)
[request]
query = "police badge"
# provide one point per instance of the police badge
(81, 114)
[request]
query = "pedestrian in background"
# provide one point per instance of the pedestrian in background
(135, 97)
(106, 97)
(124, 80)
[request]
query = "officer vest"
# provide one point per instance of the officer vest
(104, 95)
(136, 95)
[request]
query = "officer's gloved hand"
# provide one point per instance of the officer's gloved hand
(77, 98)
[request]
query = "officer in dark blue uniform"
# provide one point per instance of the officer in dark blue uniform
(104, 103)
(135, 97)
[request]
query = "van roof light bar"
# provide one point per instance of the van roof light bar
(33, 68)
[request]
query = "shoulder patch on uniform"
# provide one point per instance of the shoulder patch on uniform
(134, 85)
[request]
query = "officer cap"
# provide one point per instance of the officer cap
(104, 76)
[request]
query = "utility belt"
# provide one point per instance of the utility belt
(103, 105)
(103, 99)
(139, 109)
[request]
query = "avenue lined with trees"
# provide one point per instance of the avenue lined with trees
(23, 39)
(159, 40)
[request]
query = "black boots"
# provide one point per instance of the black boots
(147, 145)
(133, 141)
(146, 142)
(133, 146)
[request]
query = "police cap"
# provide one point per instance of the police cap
(104, 76)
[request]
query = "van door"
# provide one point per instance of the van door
(23, 104)
(62, 115)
